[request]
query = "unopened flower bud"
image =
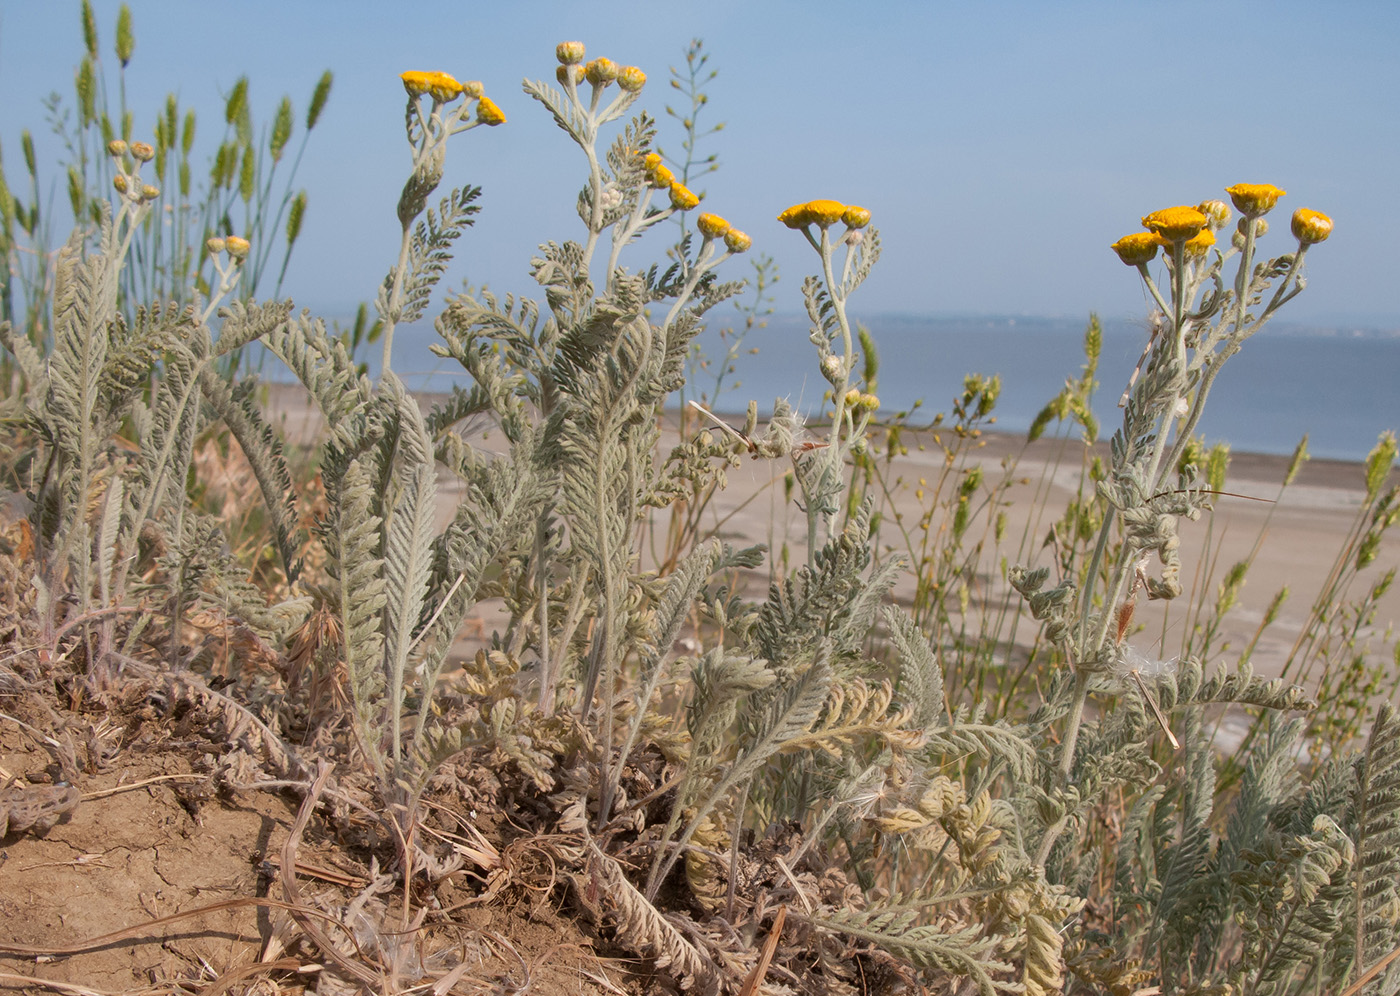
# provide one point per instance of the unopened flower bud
(1217, 214)
(119, 181)
(855, 217)
(215, 245)
(1311, 226)
(831, 369)
(562, 74)
(142, 152)
(116, 147)
(712, 226)
(472, 89)
(737, 241)
(631, 79)
(569, 53)
(681, 197)
(149, 193)
(488, 113)
(601, 71)
(1261, 227)
(852, 398)
(869, 402)
(237, 247)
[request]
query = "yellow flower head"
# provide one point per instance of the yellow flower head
(1138, 248)
(825, 213)
(116, 147)
(569, 53)
(1197, 246)
(1254, 198)
(1217, 214)
(237, 247)
(681, 197)
(852, 398)
(472, 89)
(442, 87)
(149, 192)
(1311, 226)
(562, 74)
(119, 181)
(856, 217)
(869, 402)
(796, 216)
(416, 83)
(650, 161)
(737, 241)
(215, 245)
(631, 79)
(601, 71)
(661, 177)
(1175, 224)
(142, 152)
(712, 226)
(488, 113)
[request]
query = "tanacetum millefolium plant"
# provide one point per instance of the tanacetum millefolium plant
(971, 845)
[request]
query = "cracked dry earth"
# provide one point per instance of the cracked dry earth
(125, 857)
(141, 835)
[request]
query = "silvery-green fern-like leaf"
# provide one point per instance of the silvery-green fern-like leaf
(245, 322)
(1377, 839)
(408, 546)
(263, 451)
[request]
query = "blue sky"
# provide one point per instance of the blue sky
(1001, 146)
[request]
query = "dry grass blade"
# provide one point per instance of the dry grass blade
(288, 879)
(755, 979)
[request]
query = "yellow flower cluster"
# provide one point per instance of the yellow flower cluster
(656, 172)
(1193, 228)
(824, 214)
(600, 72)
(440, 86)
(443, 88)
(712, 226)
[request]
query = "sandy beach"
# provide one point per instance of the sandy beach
(1298, 536)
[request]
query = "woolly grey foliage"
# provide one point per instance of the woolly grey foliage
(263, 450)
(326, 369)
(244, 322)
(1376, 833)
(430, 251)
(964, 952)
(920, 676)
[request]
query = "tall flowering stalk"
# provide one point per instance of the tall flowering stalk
(1154, 478)
(428, 133)
(821, 473)
(629, 190)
